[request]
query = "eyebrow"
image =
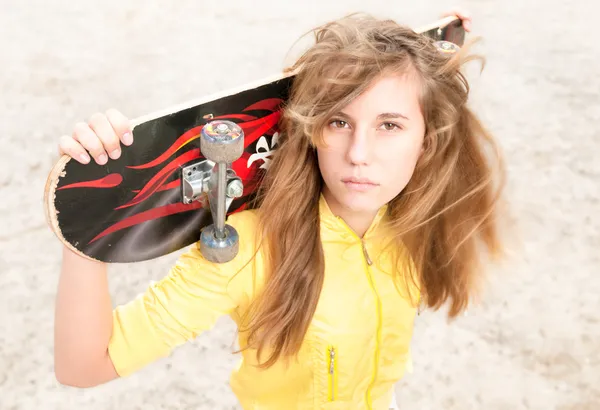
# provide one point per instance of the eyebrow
(391, 115)
(382, 116)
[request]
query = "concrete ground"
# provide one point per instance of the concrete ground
(533, 343)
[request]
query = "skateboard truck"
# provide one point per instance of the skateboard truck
(221, 143)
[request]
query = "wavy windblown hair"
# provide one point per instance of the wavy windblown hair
(445, 218)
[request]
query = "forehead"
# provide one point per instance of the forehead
(388, 93)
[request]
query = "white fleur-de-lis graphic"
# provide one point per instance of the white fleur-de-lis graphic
(263, 151)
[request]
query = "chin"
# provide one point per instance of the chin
(361, 202)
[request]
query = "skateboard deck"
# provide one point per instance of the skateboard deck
(139, 207)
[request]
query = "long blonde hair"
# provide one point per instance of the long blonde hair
(445, 217)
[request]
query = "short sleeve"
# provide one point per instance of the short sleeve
(174, 310)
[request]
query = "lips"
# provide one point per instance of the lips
(359, 184)
(362, 181)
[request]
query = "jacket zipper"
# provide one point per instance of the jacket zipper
(368, 262)
(332, 371)
(365, 253)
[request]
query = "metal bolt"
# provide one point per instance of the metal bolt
(235, 189)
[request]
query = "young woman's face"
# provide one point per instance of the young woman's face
(372, 146)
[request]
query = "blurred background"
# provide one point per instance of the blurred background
(532, 343)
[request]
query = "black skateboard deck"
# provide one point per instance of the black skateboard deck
(131, 209)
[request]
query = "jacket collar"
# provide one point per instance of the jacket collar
(336, 227)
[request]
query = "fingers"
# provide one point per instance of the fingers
(101, 137)
(121, 125)
(67, 145)
(91, 142)
(464, 15)
(104, 131)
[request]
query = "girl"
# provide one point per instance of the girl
(381, 196)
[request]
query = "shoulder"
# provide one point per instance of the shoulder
(246, 224)
(245, 221)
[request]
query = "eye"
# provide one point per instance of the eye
(338, 124)
(390, 126)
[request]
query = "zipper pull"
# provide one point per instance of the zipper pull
(331, 360)
(332, 373)
(364, 248)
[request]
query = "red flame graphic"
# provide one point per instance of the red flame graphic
(108, 181)
(147, 216)
(253, 128)
(270, 104)
(185, 139)
(155, 183)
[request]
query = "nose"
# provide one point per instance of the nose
(360, 148)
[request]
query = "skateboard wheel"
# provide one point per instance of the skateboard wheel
(446, 47)
(222, 141)
(219, 250)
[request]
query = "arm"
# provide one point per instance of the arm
(172, 311)
(83, 312)
(83, 323)
(95, 344)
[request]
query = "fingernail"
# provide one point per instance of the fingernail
(84, 158)
(115, 154)
(127, 138)
(102, 159)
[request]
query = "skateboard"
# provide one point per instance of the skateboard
(189, 168)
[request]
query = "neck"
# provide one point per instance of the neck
(358, 221)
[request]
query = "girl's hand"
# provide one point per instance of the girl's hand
(462, 14)
(100, 136)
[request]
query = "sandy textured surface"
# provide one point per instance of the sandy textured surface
(534, 343)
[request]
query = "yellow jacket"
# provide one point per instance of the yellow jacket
(356, 348)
